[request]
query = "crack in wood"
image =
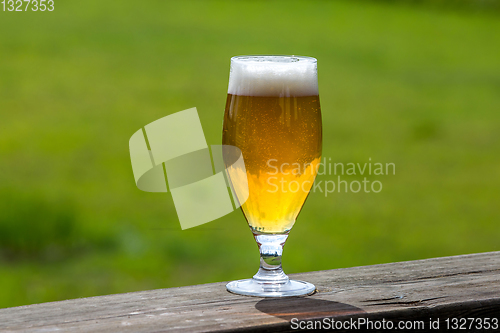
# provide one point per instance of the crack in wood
(418, 302)
(440, 276)
(383, 299)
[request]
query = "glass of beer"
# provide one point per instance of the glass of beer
(273, 116)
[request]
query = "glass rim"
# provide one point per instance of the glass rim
(278, 58)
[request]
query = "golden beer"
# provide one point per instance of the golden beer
(274, 118)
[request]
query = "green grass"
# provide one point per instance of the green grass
(415, 85)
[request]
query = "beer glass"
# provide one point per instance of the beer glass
(273, 116)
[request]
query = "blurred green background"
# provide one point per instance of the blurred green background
(415, 83)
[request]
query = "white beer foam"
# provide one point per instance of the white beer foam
(282, 76)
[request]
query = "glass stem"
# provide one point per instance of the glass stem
(271, 250)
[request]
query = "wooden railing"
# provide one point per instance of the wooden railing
(403, 293)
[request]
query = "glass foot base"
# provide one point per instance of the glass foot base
(250, 287)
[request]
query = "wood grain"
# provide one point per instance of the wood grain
(460, 286)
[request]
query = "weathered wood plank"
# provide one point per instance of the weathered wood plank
(460, 286)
